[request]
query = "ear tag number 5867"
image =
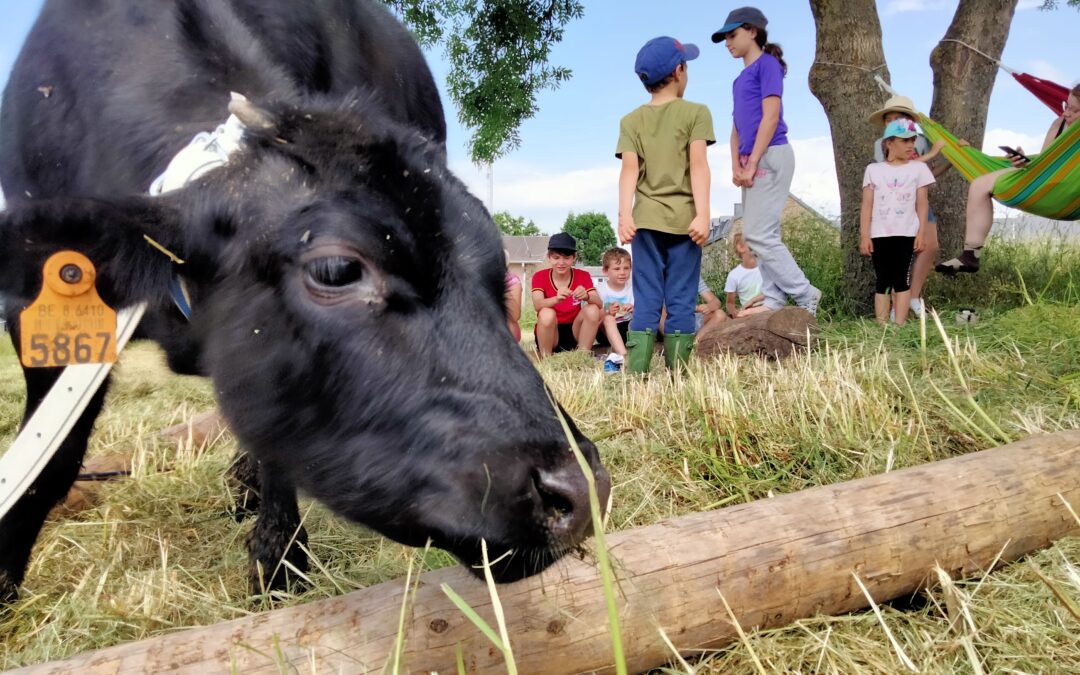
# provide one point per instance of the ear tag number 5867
(68, 323)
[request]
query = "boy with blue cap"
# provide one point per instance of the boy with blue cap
(664, 202)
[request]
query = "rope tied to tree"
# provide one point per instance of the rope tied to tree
(996, 62)
(850, 65)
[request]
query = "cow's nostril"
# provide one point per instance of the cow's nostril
(564, 498)
(556, 507)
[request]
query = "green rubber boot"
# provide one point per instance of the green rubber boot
(677, 348)
(639, 348)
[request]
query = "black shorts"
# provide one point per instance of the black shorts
(892, 258)
(566, 341)
(601, 335)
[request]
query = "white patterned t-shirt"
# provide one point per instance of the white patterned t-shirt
(895, 189)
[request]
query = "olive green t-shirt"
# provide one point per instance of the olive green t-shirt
(660, 135)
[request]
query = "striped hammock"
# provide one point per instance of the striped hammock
(1047, 186)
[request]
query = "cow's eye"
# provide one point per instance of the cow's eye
(334, 272)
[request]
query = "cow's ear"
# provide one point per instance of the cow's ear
(118, 237)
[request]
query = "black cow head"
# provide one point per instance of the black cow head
(348, 304)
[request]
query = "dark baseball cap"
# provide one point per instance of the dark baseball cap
(561, 241)
(740, 17)
(659, 58)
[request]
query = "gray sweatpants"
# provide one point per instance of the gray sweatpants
(763, 204)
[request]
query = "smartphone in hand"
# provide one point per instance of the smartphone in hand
(1012, 152)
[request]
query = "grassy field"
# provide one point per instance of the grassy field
(160, 552)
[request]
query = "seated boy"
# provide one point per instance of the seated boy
(744, 282)
(568, 308)
(710, 312)
(618, 298)
(706, 313)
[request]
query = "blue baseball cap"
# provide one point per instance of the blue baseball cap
(659, 58)
(900, 128)
(740, 17)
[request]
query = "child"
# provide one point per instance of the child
(901, 107)
(618, 298)
(893, 217)
(763, 162)
(567, 305)
(513, 300)
(744, 282)
(664, 201)
(707, 312)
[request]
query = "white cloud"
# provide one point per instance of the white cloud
(1029, 4)
(546, 196)
(1013, 139)
(1048, 71)
(815, 174)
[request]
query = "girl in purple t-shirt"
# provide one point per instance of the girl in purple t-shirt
(763, 162)
(892, 221)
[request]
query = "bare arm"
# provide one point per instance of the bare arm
(735, 168)
(627, 185)
(731, 308)
(594, 299)
(938, 165)
(712, 303)
(770, 118)
(540, 302)
(866, 246)
(932, 153)
(1051, 133)
(922, 209)
(513, 303)
(699, 186)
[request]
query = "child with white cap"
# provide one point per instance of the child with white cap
(902, 108)
(893, 218)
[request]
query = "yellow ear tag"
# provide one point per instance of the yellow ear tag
(68, 323)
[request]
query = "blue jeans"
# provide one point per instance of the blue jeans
(665, 273)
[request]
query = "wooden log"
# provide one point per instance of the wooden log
(206, 426)
(775, 560)
(776, 334)
(83, 495)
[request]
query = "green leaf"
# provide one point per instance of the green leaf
(498, 52)
(593, 233)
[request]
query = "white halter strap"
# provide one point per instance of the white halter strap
(207, 151)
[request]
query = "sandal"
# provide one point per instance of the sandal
(966, 262)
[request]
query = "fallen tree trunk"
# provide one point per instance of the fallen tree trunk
(775, 560)
(776, 334)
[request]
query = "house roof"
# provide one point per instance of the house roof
(807, 207)
(526, 249)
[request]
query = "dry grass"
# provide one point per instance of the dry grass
(160, 552)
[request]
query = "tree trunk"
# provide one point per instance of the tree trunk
(963, 81)
(849, 45)
(774, 560)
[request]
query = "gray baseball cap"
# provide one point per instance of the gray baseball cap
(739, 17)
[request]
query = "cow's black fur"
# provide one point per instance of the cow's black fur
(347, 289)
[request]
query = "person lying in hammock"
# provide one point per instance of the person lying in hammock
(980, 209)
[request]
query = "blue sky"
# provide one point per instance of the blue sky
(566, 161)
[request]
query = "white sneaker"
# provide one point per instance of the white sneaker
(917, 307)
(813, 297)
